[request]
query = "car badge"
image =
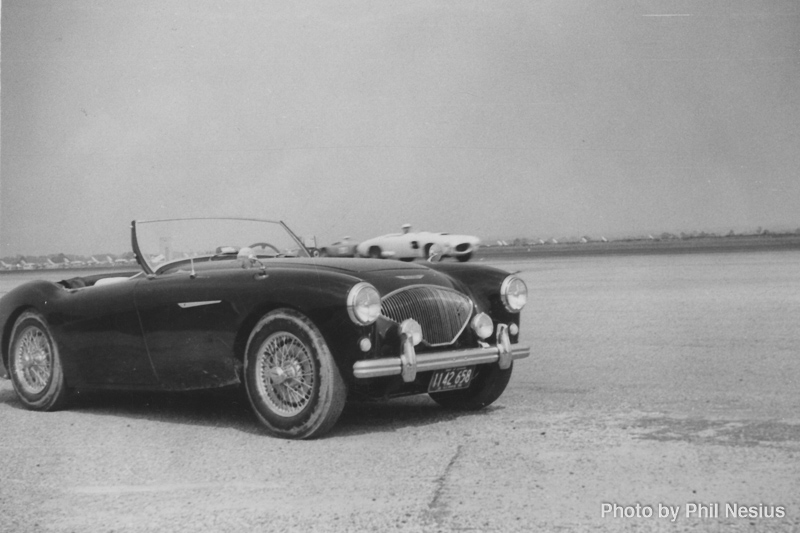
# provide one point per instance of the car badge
(418, 276)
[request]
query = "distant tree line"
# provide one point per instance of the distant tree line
(665, 236)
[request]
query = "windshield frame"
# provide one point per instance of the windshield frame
(147, 268)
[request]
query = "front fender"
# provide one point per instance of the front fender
(39, 295)
(321, 297)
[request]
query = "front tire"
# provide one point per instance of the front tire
(292, 381)
(35, 364)
(486, 387)
(375, 252)
(464, 258)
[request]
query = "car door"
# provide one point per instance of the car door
(189, 323)
(101, 339)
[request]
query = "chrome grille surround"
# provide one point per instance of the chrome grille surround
(443, 313)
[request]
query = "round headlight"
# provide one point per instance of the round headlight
(514, 293)
(363, 304)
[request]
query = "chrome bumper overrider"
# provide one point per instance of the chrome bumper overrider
(409, 363)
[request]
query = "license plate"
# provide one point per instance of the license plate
(450, 379)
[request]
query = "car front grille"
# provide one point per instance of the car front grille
(442, 313)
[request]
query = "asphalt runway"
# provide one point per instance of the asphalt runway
(662, 394)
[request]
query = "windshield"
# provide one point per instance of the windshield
(159, 242)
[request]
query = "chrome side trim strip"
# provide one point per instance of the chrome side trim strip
(186, 305)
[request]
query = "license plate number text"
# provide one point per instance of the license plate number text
(450, 379)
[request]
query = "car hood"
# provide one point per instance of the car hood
(385, 275)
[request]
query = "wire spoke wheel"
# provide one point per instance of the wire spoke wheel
(34, 364)
(291, 378)
(33, 361)
(286, 374)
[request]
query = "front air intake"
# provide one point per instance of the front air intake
(442, 313)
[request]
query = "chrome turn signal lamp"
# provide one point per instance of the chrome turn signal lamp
(364, 344)
(482, 325)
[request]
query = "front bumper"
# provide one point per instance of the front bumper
(409, 363)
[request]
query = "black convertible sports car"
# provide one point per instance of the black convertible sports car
(226, 301)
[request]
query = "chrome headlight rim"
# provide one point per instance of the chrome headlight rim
(360, 314)
(514, 303)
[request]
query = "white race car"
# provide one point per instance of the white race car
(409, 245)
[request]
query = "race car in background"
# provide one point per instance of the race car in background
(343, 248)
(409, 245)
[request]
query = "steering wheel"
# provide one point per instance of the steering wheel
(264, 246)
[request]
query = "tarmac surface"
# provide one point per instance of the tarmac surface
(662, 394)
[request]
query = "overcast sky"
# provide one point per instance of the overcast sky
(500, 119)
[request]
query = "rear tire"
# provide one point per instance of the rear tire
(464, 258)
(292, 381)
(35, 365)
(375, 253)
(486, 387)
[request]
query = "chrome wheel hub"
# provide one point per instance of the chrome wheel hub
(33, 360)
(286, 374)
